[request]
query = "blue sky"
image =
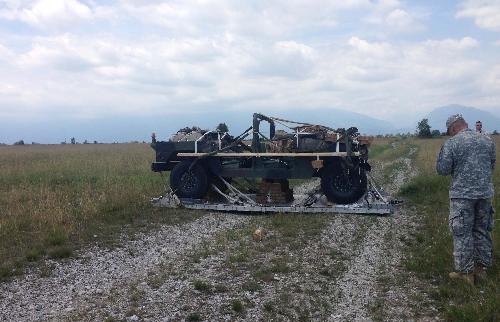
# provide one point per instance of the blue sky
(393, 60)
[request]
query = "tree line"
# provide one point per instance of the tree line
(424, 130)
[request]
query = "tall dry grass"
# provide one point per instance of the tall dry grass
(51, 194)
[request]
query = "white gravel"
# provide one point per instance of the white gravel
(76, 284)
(375, 267)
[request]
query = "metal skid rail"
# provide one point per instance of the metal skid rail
(374, 208)
(373, 202)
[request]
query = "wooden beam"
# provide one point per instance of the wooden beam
(270, 154)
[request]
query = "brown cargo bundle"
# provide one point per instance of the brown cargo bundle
(274, 192)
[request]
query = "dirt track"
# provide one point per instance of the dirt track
(348, 270)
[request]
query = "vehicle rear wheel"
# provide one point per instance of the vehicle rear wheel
(342, 185)
(189, 183)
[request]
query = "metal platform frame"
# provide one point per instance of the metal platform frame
(374, 202)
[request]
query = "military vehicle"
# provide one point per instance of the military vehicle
(197, 159)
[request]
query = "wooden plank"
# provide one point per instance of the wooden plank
(270, 154)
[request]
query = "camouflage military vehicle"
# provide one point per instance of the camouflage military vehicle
(198, 158)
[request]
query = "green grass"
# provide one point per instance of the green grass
(194, 316)
(280, 265)
(237, 306)
(251, 286)
(378, 149)
(389, 149)
(268, 306)
(429, 252)
(202, 286)
(258, 266)
(56, 198)
(56, 237)
(60, 252)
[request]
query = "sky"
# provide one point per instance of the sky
(85, 60)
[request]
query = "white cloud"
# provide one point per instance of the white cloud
(239, 72)
(395, 17)
(60, 52)
(189, 55)
(492, 80)
(267, 19)
(452, 44)
(287, 59)
(389, 80)
(486, 13)
(5, 53)
(371, 49)
(292, 48)
(47, 14)
(400, 19)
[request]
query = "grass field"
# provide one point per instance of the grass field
(55, 197)
(430, 256)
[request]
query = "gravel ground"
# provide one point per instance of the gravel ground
(349, 271)
(78, 285)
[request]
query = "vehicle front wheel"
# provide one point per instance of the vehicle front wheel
(342, 185)
(189, 182)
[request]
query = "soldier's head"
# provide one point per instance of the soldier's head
(479, 126)
(455, 124)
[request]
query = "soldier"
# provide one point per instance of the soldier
(479, 127)
(469, 158)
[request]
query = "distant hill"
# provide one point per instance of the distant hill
(437, 118)
(334, 118)
(139, 128)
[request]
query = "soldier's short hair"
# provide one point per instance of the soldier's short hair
(452, 119)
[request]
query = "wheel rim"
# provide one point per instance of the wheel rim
(189, 182)
(343, 182)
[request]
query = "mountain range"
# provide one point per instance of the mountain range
(123, 128)
(437, 118)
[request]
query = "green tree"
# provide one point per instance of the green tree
(435, 133)
(424, 129)
(222, 127)
(73, 141)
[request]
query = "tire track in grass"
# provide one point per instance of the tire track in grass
(329, 272)
(360, 289)
(308, 293)
(286, 276)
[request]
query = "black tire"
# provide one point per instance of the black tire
(189, 183)
(341, 185)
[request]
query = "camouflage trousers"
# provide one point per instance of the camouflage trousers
(471, 222)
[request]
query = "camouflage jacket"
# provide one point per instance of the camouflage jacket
(469, 158)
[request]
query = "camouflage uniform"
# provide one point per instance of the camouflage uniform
(469, 158)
